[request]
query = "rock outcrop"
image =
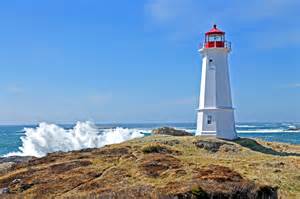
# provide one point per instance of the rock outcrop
(158, 167)
(170, 131)
(15, 159)
(6, 163)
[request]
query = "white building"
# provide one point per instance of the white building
(215, 114)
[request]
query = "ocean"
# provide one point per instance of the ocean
(38, 140)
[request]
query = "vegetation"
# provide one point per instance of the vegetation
(161, 166)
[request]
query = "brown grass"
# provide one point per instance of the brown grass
(154, 165)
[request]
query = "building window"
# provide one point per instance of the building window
(209, 119)
(211, 65)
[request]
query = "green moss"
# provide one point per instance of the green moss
(155, 148)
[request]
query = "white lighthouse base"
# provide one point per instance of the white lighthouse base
(217, 122)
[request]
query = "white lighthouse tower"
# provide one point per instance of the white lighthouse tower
(215, 114)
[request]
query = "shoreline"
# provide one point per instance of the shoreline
(260, 140)
(239, 134)
(171, 165)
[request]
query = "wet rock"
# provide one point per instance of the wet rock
(170, 131)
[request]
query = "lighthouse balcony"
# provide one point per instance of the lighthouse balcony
(216, 44)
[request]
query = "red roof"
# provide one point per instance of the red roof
(215, 30)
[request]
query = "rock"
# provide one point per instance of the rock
(15, 159)
(15, 181)
(7, 163)
(171, 142)
(159, 148)
(6, 166)
(4, 190)
(228, 148)
(215, 146)
(170, 131)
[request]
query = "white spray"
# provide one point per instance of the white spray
(47, 138)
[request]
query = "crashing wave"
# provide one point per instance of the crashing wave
(47, 138)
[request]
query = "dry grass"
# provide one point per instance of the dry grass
(171, 164)
(275, 164)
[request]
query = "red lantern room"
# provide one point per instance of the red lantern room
(215, 38)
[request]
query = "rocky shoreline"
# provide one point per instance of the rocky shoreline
(159, 166)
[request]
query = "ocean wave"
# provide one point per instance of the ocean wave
(268, 131)
(245, 126)
(47, 138)
(192, 131)
(252, 130)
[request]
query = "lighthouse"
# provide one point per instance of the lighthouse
(215, 115)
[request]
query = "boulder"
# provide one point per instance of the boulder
(170, 131)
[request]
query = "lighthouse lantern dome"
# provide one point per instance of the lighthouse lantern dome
(214, 38)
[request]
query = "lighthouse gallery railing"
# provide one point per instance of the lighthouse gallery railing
(216, 44)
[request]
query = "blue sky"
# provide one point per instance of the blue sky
(137, 61)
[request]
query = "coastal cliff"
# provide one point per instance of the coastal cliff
(159, 166)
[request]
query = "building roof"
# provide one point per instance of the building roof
(215, 30)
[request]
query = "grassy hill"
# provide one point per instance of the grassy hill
(161, 167)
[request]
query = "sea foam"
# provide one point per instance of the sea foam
(47, 138)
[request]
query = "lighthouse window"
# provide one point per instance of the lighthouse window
(211, 65)
(213, 38)
(209, 119)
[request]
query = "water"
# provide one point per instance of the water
(38, 140)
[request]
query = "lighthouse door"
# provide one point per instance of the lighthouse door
(209, 119)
